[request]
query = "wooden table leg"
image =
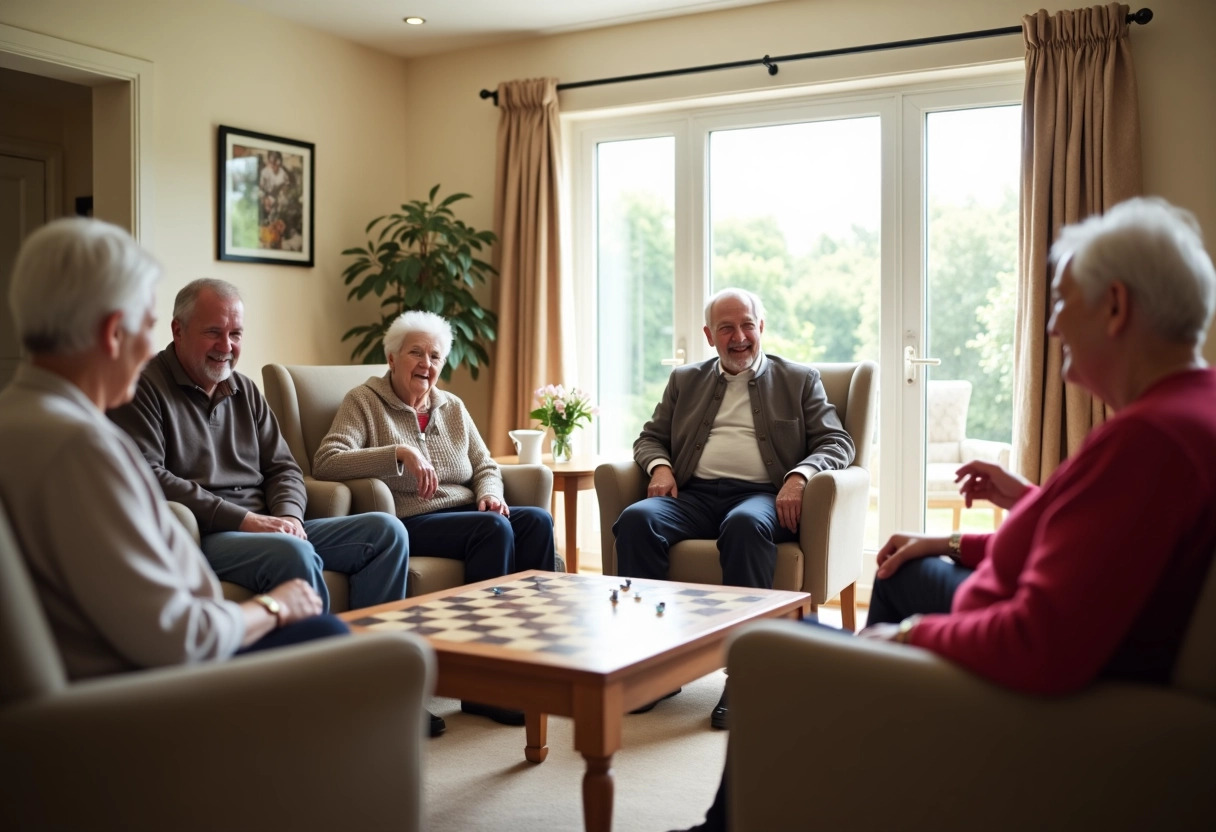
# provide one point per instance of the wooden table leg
(570, 489)
(536, 727)
(598, 791)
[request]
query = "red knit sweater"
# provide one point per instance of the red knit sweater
(1096, 572)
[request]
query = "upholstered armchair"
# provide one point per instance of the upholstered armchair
(261, 741)
(305, 400)
(949, 447)
(826, 560)
(918, 743)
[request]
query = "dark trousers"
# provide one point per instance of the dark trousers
(741, 516)
(924, 585)
(308, 629)
(489, 544)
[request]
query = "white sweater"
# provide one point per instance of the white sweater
(373, 421)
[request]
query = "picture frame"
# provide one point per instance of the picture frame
(264, 198)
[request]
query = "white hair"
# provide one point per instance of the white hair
(1156, 250)
(415, 321)
(751, 299)
(71, 274)
(187, 298)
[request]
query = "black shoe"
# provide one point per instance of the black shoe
(503, 716)
(438, 726)
(649, 706)
(720, 712)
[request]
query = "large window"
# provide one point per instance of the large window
(869, 225)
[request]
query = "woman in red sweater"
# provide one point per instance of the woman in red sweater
(1096, 572)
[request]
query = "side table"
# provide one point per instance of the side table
(569, 478)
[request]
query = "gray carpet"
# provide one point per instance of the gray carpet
(476, 777)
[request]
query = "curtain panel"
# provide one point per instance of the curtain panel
(1080, 156)
(526, 216)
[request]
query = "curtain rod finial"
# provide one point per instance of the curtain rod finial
(1143, 16)
(488, 94)
(768, 62)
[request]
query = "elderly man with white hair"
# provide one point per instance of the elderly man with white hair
(122, 584)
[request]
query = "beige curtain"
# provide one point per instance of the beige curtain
(1080, 156)
(529, 345)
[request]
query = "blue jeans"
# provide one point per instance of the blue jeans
(741, 516)
(489, 544)
(307, 629)
(924, 585)
(373, 549)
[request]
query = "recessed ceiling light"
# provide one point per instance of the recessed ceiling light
(415, 21)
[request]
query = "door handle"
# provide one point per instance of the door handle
(911, 362)
(674, 362)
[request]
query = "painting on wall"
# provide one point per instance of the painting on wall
(264, 198)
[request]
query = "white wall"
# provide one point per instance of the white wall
(219, 63)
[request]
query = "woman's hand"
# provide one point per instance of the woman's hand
(902, 548)
(421, 468)
(989, 481)
(492, 503)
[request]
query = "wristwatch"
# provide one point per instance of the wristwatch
(272, 606)
(956, 545)
(905, 627)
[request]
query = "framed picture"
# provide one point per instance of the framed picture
(264, 199)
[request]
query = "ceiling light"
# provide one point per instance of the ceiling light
(415, 21)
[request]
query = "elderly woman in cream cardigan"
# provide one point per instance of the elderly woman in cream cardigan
(422, 442)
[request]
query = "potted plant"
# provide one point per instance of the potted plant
(424, 258)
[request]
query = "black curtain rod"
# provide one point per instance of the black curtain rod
(1142, 16)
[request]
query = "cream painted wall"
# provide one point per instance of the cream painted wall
(52, 112)
(220, 63)
(1175, 63)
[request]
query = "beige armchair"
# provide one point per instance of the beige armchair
(918, 743)
(949, 447)
(305, 400)
(826, 560)
(261, 740)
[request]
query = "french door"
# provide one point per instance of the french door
(874, 226)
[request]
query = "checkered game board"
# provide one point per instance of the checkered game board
(562, 614)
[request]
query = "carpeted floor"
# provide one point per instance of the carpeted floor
(666, 773)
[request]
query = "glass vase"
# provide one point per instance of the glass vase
(563, 447)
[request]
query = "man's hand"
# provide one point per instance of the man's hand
(789, 501)
(493, 504)
(989, 481)
(298, 600)
(662, 483)
(902, 548)
(261, 524)
(421, 468)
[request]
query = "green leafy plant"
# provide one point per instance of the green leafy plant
(424, 258)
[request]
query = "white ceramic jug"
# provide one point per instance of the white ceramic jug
(527, 445)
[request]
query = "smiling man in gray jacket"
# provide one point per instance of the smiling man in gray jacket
(729, 450)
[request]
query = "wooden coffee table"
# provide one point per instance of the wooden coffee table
(553, 643)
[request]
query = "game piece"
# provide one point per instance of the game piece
(497, 590)
(659, 609)
(614, 596)
(628, 583)
(637, 596)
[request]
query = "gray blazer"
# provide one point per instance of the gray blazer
(795, 423)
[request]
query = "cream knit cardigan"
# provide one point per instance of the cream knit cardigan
(372, 421)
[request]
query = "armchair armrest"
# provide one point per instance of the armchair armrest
(832, 529)
(326, 499)
(370, 494)
(186, 517)
(947, 750)
(985, 450)
(617, 485)
(527, 485)
(142, 750)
